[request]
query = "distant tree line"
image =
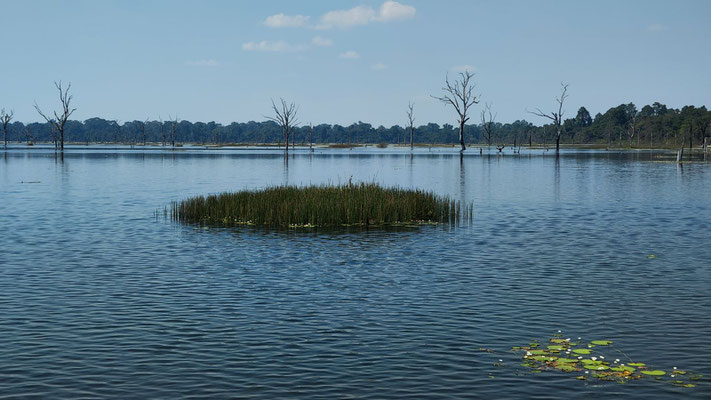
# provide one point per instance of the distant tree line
(622, 126)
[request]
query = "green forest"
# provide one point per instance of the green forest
(653, 125)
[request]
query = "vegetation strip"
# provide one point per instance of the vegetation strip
(364, 204)
(596, 360)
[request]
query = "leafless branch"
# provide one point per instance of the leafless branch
(460, 95)
(285, 116)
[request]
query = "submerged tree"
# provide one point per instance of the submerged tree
(285, 116)
(460, 96)
(556, 117)
(487, 123)
(631, 114)
(60, 119)
(411, 122)
(5, 119)
(142, 129)
(173, 129)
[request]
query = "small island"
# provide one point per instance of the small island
(351, 204)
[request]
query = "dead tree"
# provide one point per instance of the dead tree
(142, 128)
(285, 116)
(28, 135)
(162, 130)
(117, 132)
(173, 129)
(702, 126)
(487, 123)
(5, 118)
(460, 96)
(60, 119)
(556, 117)
(632, 126)
(411, 121)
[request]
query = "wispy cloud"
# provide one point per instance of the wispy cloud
(203, 63)
(321, 42)
(363, 15)
(278, 46)
(392, 11)
(379, 66)
(462, 68)
(349, 55)
(657, 28)
(286, 21)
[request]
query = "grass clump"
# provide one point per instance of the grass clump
(364, 204)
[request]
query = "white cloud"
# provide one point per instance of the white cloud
(363, 15)
(359, 15)
(350, 55)
(463, 68)
(657, 28)
(320, 41)
(392, 10)
(278, 46)
(286, 21)
(203, 63)
(379, 66)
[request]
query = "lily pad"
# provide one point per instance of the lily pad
(602, 342)
(596, 359)
(596, 367)
(654, 372)
(566, 367)
(567, 360)
(622, 369)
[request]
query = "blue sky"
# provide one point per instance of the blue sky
(348, 61)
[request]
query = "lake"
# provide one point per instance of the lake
(101, 296)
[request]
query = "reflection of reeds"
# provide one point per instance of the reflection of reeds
(364, 204)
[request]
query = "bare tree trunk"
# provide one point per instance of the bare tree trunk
(461, 135)
(461, 97)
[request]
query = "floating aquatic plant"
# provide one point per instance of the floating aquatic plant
(595, 360)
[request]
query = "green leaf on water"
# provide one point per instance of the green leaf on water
(567, 360)
(635, 364)
(581, 351)
(555, 347)
(651, 256)
(538, 352)
(596, 367)
(566, 367)
(654, 372)
(544, 358)
(622, 369)
(601, 342)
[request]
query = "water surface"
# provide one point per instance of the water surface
(99, 298)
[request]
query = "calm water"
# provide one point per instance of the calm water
(99, 298)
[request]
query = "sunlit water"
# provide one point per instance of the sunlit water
(101, 297)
